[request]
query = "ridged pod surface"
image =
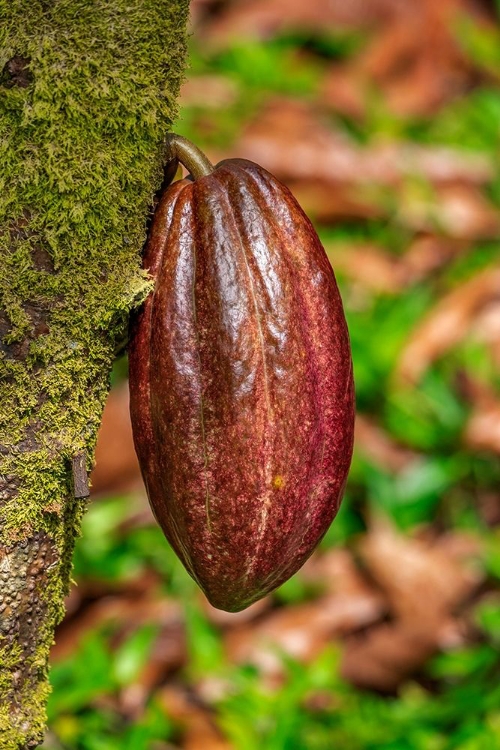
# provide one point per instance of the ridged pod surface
(241, 382)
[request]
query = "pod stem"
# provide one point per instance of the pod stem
(189, 155)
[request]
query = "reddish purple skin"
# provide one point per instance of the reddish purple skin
(241, 384)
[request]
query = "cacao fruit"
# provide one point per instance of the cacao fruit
(241, 382)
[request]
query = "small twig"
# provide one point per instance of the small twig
(80, 475)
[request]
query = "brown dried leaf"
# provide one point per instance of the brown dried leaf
(302, 631)
(344, 89)
(265, 18)
(459, 211)
(368, 265)
(208, 91)
(424, 583)
(328, 201)
(128, 610)
(414, 61)
(377, 270)
(460, 546)
(262, 19)
(385, 657)
(289, 139)
(448, 323)
(336, 570)
(199, 731)
(336, 573)
(419, 64)
(103, 610)
(428, 253)
(483, 427)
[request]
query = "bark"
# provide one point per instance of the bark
(88, 92)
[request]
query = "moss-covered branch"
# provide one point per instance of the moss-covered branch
(87, 94)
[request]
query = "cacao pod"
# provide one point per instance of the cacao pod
(241, 382)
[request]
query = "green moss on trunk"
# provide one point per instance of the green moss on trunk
(87, 94)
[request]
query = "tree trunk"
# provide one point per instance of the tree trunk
(87, 94)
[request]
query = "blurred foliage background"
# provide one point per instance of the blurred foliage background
(384, 119)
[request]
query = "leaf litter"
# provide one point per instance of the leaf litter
(386, 599)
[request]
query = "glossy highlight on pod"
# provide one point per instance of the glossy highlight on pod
(242, 396)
